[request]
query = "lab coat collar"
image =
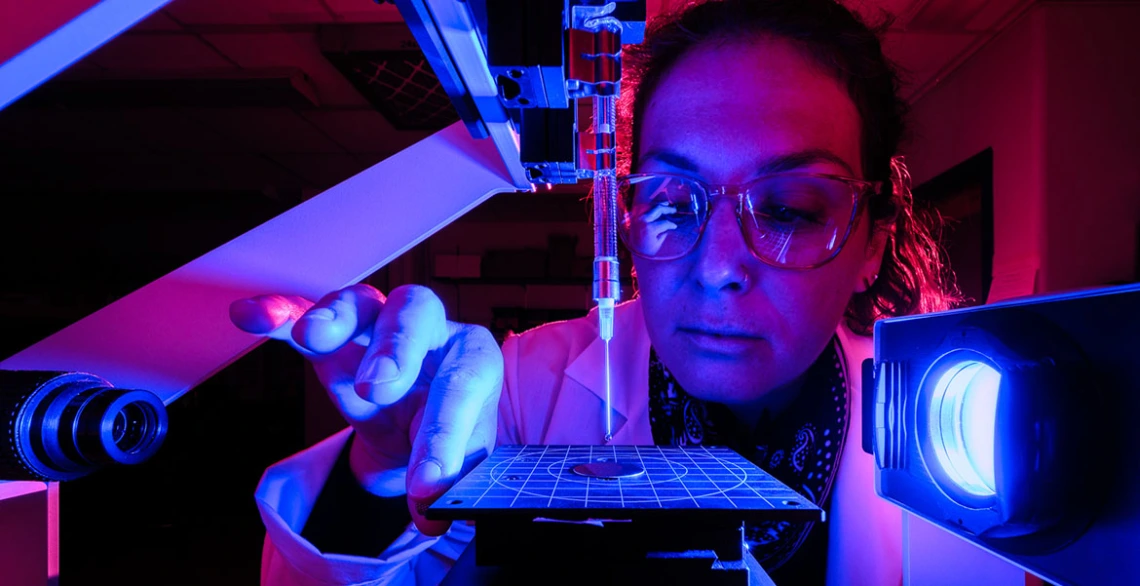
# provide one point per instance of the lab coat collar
(629, 371)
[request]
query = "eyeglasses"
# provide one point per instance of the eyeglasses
(789, 220)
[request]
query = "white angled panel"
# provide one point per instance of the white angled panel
(175, 332)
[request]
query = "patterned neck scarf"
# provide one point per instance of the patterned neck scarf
(800, 447)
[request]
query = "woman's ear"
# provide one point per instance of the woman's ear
(873, 259)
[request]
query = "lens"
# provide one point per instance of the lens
(962, 418)
(797, 221)
(120, 426)
(789, 220)
(130, 430)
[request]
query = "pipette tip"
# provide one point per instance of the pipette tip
(609, 400)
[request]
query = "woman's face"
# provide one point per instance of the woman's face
(728, 326)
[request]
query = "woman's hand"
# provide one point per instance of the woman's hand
(652, 228)
(421, 392)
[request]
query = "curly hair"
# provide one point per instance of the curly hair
(913, 277)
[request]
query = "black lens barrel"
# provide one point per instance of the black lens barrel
(63, 425)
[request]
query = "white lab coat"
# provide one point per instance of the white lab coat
(553, 392)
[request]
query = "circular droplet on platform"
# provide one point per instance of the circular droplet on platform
(608, 470)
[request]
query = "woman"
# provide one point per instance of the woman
(770, 226)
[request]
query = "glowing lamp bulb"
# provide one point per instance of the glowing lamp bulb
(962, 418)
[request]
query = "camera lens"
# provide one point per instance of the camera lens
(118, 426)
(68, 424)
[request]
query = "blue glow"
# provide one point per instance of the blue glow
(609, 404)
(962, 419)
(70, 42)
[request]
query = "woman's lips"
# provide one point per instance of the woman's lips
(720, 341)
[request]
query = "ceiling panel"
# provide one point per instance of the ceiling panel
(311, 7)
(321, 171)
(142, 171)
(994, 12)
(944, 15)
(267, 130)
(110, 131)
(301, 11)
(255, 50)
(159, 21)
(363, 11)
(255, 147)
(923, 55)
(159, 51)
(873, 10)
(229, 171)
(195, 12)
(23, 24)
(251, 12)
(86, 64)
(292, 49)
(363, 130)
(15, 135)
(866, 8)
(167, 130)
(71, 130)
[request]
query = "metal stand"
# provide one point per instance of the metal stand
(29, 533)
(515, 551)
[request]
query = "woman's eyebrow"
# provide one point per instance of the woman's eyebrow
(777, 164)
(672, 159)
(798, 159)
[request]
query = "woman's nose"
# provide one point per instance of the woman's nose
(722, 262)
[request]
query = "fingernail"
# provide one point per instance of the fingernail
(382, 369)
(424, 480)
(321, 313)
(250, 316)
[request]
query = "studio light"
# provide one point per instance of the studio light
(1010, 425)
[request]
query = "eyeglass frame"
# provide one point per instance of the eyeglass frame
(860, 189)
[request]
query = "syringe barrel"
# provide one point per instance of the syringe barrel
(607, 284)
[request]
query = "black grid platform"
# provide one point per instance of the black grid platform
(539, 481)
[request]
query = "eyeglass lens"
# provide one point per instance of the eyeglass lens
(789, 220)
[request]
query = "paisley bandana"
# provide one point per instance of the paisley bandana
(800, 448)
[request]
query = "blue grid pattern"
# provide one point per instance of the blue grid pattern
(540, 479)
